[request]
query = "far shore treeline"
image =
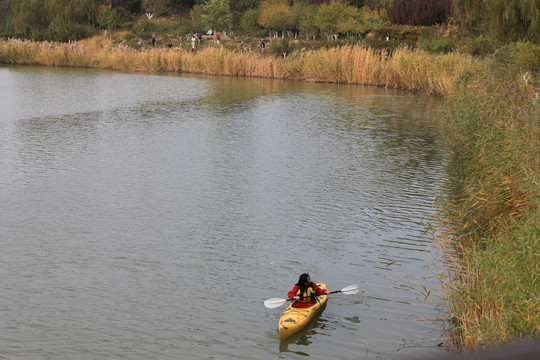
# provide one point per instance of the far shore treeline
(482, 56)
(488, 22)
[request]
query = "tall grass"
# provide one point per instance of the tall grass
(492, 227)
(405, 68)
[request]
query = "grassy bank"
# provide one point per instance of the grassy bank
(490, 227)
(405, 68)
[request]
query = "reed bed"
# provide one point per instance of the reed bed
(435, 74)
(492, 229)
(404, 69)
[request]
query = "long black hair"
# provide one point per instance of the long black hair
(302, 283)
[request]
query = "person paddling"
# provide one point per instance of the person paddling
(303, 292)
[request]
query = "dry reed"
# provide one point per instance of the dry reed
(491, 231)
(404, 69)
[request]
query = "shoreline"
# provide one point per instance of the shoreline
(405, 69)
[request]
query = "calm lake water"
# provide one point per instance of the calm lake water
(149, 216)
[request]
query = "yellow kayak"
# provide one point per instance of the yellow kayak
(295, 319)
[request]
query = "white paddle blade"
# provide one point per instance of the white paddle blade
(350, 290)
(274, 302)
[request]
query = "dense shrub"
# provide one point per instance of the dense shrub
(376, 43)
(281, 47)
(437, 46)
(113, 18)
(132, 6)
(161, 27)
(404, 33)
(501, 19)
(479, 46)
(526, 56)
(433, 41)
(132, 41)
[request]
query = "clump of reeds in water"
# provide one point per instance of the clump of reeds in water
(404, 68)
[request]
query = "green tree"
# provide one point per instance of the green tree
(359, 3)
(196, 14)
(249, 20)
(131, 6)
(275, 15)
(217, 14)
(382, 3)
(4, 7)
(243, 5)
(506, 20)
(155, 7)
(307, 24)
(374, 19)
(5, 24)
(338, 18)
(351, 21)
(53, 19)
(239, 8)
(111, 18)
(71, 19)
(182, 6)
(80, 11)
(30, 17)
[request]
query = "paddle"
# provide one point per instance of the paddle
(277, 302)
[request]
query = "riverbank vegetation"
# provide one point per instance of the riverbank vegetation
(483, 56)
(435, 25)
(492, 224)
(351, 64)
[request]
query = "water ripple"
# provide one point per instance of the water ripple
(152, 223)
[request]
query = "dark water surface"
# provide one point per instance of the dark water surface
(149, 216)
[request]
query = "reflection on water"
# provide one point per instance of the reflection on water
(304, 337)
(149, 216)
